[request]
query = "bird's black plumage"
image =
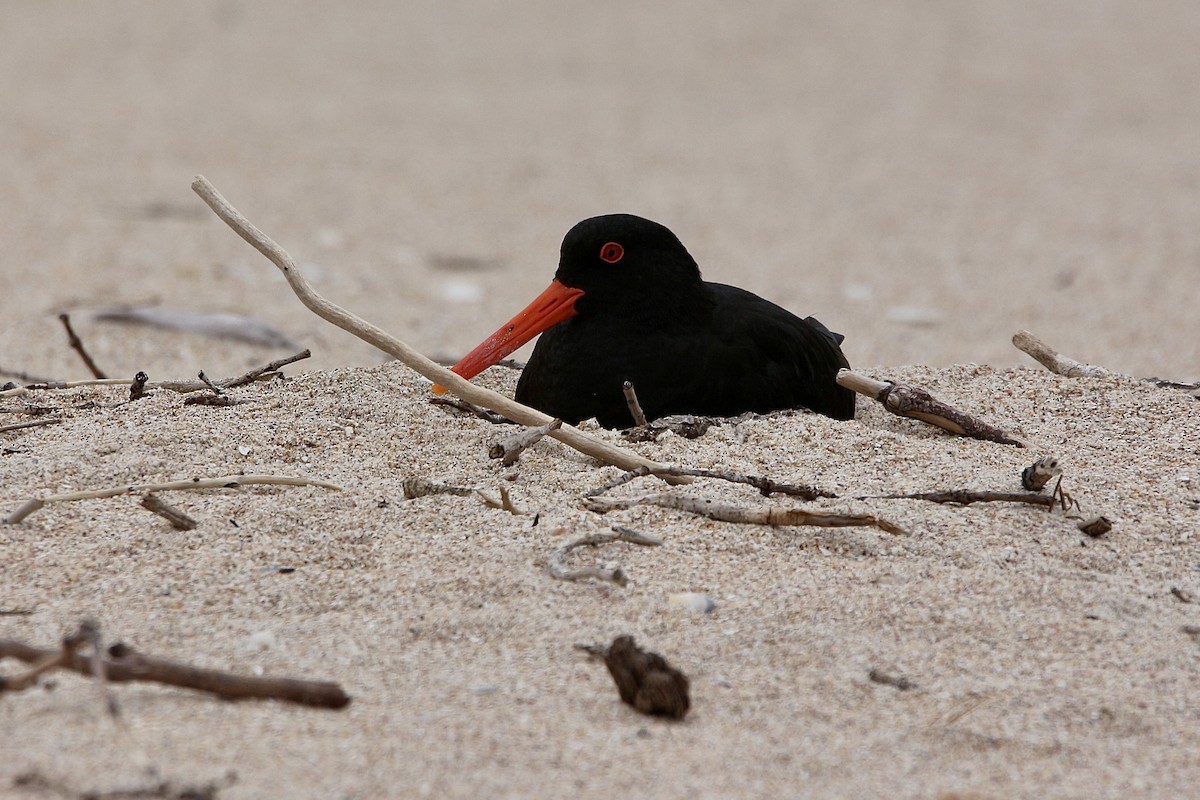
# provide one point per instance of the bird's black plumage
(687, 345)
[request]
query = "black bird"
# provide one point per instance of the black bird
(628, 304)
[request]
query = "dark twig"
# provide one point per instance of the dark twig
(179, 520)
(208, 382)
(761, 515)
(216, 400)
(766, 486)
(965, 497)
(77, 345)
(265, 370)
(898, 681)
(1035, 477)
(122, 663)
(915, 402)
(615, 575)
(508, 450)
(462, 405)
(37, 423)
(137, 389)
(635, 408)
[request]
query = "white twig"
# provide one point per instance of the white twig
(615, 575)
(231, 482)
(1054, 361)
(567, 434)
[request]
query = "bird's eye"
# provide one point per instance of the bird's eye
(612, 252)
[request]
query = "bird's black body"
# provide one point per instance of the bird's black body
(686, 345)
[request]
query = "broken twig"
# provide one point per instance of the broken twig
(915, 402)
(77, 345)
(505, 502)
(232, 482)
(121, 663)
(615, 575)
(758, 515)
(509, 449)
(635, 408)
(1035, 477)
(1053, 360)
(179, 520)
(766, 486)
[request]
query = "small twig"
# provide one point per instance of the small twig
(764, 485)
(508, 450)
(37, 423)
(567, 434)
(122, 663)
(689, 426)
(216, 400)
(762, 515)
(179, 520)
(232, 482)
(915, 402)
(212, 387)
(1053, 360)
(415, 487)
(1035, 477)
(77, 345)
(635, 408)
(137, 389)
(505, 502)
(479, 411)
(615, 575)
(898, 681)
(965, 497)
(182, 387)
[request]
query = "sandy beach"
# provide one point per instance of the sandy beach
(925, 178)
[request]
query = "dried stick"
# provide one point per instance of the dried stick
(416, 486)
(121, 663)
(914, 402)
(509, 449)
(764, 485)
(616, 575)
(722, 512)
(635, 408)
(183, 387)
(179, 520)
(567, 434)
(462, 405)
(965, 497)
(505, 502)
(1053, 360)
(77, 345)
(37, 423)
(232, 482)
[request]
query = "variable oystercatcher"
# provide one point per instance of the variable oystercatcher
(628, 304)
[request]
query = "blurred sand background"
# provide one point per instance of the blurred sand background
(924, 177)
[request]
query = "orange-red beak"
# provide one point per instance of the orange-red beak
(550, 307)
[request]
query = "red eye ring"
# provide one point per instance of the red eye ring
(612, 252)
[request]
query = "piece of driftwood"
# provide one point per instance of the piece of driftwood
(558, 571)
(635, 408)
(916, 403)
(965, 497)
(1053, 360)
(755, 515)
(178, 519)
(509, 449)
(231, 482)
(644, 679)
(765, 486)
(77, 345)
(121, 663)
(567, 434)
(416, 486)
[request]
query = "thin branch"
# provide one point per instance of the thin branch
(915, 402)
(615, 575)
(479, 411)
(77, 345)
(509, 449)
(122, 663)
(505, 502)
(569, 435)
(764, 485)
(1053, 360)
(964, 497)
(179, 520)
(232, 482)
(256, 374)
(37, 423)
(635, 408)
(759, 515)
